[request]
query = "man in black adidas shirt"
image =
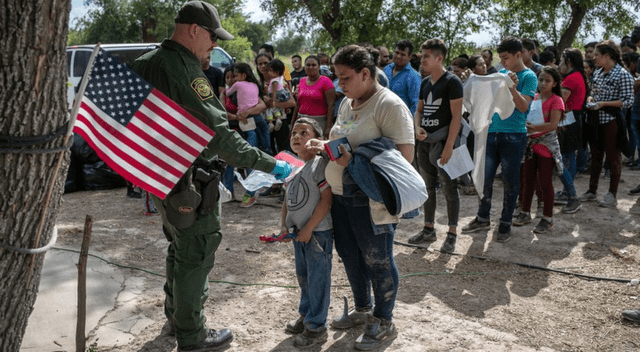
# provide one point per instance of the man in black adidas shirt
(438, 118)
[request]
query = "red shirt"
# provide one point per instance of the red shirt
(575, 83)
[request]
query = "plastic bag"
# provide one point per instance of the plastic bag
(225, 194)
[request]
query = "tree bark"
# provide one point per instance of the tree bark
(578, 11)
(33, 72)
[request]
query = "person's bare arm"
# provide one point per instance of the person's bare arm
(407, 151)
(330, 97)
(552, 125)
(454, 129)
(522, 101)
(421, 134)
(321, 210)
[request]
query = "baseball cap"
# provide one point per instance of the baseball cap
(202, 14)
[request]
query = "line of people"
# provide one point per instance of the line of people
(320, 204)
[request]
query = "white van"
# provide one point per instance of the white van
(78, 57)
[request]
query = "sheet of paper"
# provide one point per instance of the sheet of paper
(568, 120)
(459, 164)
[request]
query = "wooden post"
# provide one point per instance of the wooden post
(81, 338)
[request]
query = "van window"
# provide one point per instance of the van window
(69, 53)
(126, 56)
(219, 59)
(80, 62)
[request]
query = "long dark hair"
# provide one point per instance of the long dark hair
(557, 90)
(268, 56)
(227, 70)
(574, 56)
(246, 69)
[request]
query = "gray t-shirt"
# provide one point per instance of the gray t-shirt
(303, 195)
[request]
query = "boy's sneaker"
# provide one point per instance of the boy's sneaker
(426, 235)
(561, 198)
(573, 206)
(295, 326)
(449, 244)
(543, 226)
(248, 200)
(476, 225)
(609, 201)
(504, 233)
(310, 338)
(588, 197)
(376, 332)
(522, 218)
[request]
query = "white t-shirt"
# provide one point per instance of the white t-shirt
(383, 115)
(279, 80)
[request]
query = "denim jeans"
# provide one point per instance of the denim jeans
(506, 149)
(262, 133)
(366, 251)
(227, 178)
(569, 160)
(313, 269)
(430, 174)
(252, 139)
(635, 130)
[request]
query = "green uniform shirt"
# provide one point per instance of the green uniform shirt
(176, 72)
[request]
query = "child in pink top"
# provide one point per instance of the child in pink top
(542, 149)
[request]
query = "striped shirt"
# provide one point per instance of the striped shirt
(617, 84)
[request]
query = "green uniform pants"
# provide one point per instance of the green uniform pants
(190, 258)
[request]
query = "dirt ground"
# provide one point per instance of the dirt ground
(479, 300)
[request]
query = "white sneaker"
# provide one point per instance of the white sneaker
(609, 201)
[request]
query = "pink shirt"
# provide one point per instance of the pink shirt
(553, 103)
(575, 83)
(247, 94)
(311, 98)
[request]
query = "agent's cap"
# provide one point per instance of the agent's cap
(204, 15)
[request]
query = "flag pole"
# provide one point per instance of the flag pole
(81, 89)
(56, 170)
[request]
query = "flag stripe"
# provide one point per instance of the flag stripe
(162, 146)
(155, 123)
(193, 125)
(114, 136)
(170, 124)
(115, 162)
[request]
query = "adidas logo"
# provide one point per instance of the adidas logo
(430, 107)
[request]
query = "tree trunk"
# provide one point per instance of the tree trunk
(33, 64)
(578, 11)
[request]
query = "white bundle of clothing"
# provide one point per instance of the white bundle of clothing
(483, 97)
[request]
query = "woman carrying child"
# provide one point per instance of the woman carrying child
(248, 93)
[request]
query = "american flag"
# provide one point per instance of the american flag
(136, 130)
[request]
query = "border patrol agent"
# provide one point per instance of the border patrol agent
(191, 212)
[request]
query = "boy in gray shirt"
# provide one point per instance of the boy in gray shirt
(306, 209)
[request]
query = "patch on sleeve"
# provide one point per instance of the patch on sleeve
(202, 87)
